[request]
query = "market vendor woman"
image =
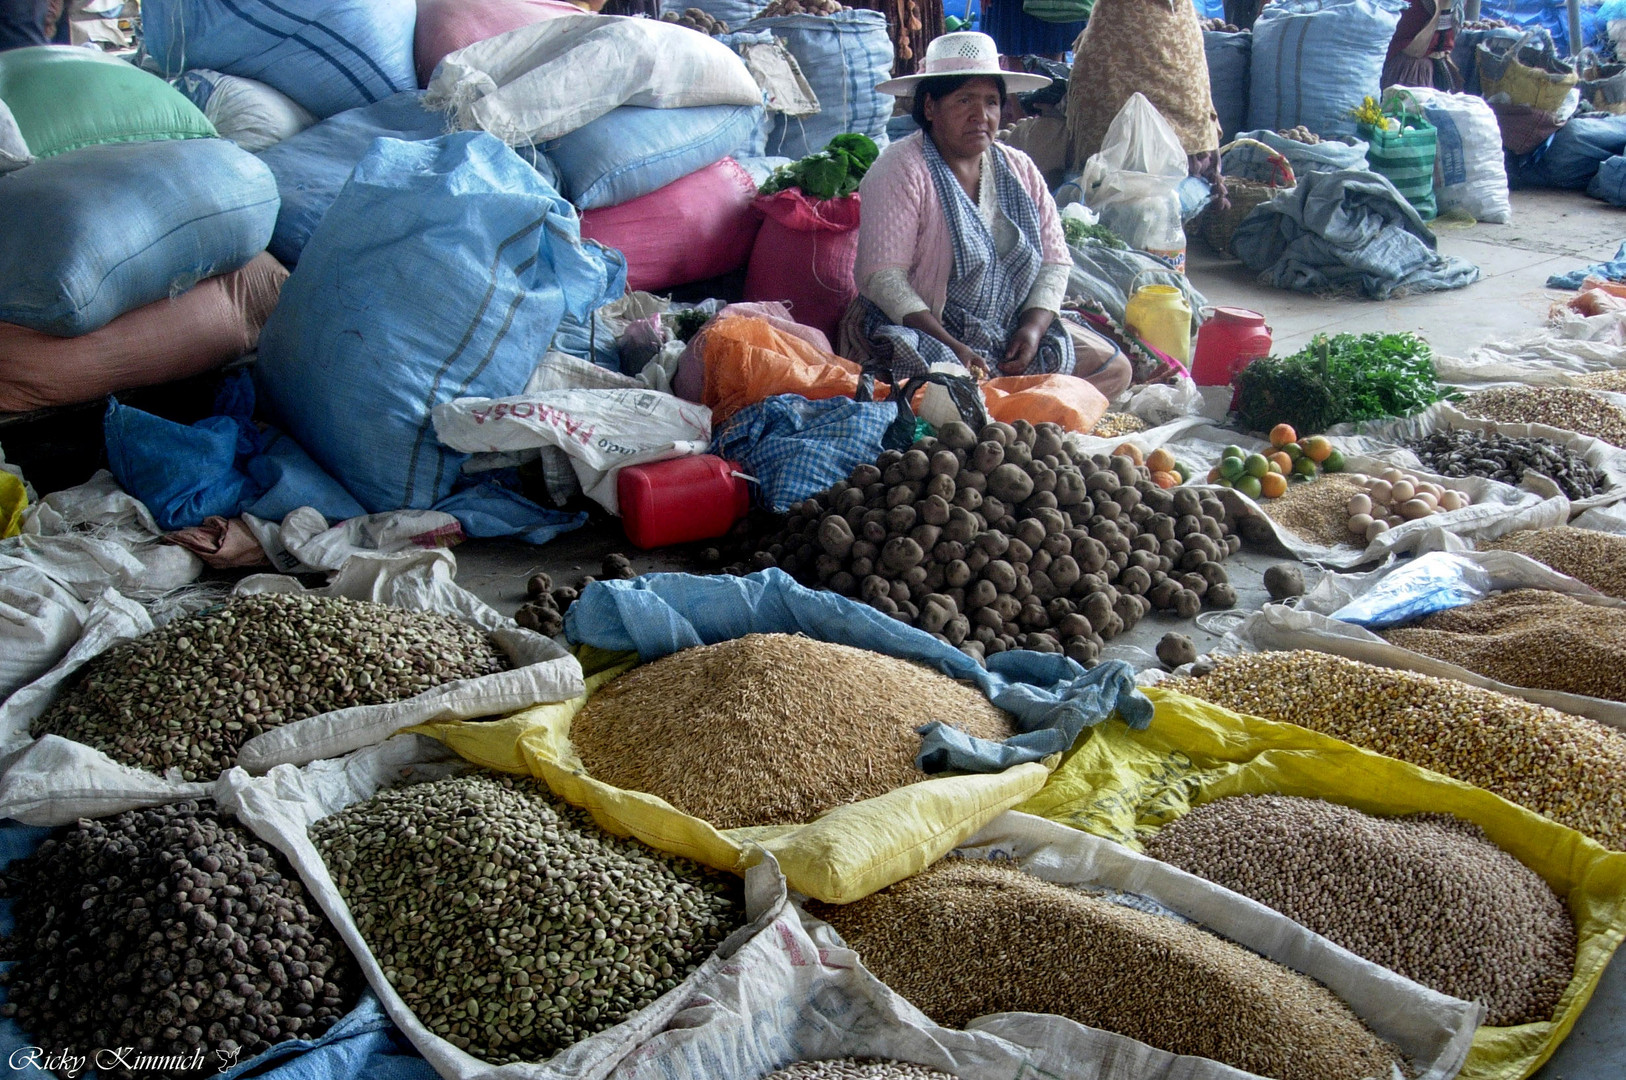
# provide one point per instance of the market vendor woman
(961, 257)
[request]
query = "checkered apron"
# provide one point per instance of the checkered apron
(986, 290)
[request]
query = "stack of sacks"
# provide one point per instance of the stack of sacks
(639, 118)
(131, 248)
(327, 55)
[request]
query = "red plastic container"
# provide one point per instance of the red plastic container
(680, 500)
(1229, 341)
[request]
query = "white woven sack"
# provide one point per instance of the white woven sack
(279, 807)
(1433, 1030)
(249, 113)
(54, 781)
(1469, 173)
(13, 150)
(548, 79)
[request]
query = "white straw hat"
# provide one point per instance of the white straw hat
(963, 53)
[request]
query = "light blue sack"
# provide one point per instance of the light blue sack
(90, 234)
(440, 271)
(312, 166)
(1230, 57)
(1610, 182)
(843, 57)
(1575, 154)
(1314, 60)
(796, 447)
(328, 55)
(632, 151)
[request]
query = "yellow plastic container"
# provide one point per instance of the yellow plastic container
(1160, 316)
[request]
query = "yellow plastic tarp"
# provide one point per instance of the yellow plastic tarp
(843, 856)
(1125, 784)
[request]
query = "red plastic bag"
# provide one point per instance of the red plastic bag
(690, 230)
(804, 256)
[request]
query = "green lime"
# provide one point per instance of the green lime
(1333, 463)
(1249, 486)
(1230, 468)
(1256, 465)
(1305, 467)
(1183, 470)
(1233, 451)
(1293, 450)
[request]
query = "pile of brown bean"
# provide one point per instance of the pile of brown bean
(1428, 896)
(1568, 768)
(1567, 407)
(772, 729)
(1594, 558)
(1007, 538)
(1529, 637)
(190, 693)
(968, 938)
(172, 932)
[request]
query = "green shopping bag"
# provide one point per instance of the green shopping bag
(1059, 11)
(1406, 157)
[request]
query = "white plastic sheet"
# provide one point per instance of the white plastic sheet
(280, 806)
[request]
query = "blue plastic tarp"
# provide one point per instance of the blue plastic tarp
(1613, 270)
(363, 1045)
(1052, 697)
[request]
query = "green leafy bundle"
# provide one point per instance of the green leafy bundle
(1077, 233)
(831, 173)
(1344, 379)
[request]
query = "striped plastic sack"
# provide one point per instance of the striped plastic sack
(1406, 157)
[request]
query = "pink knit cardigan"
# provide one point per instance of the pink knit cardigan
(903, 226)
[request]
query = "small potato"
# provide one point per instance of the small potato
(1394, 520)
(1360, 505)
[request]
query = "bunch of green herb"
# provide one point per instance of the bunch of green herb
(831, 173)
(1077, 233)
(1344, 379)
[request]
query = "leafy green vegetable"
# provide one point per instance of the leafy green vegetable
(831, 173)
(1345, 379)
(1077, 233)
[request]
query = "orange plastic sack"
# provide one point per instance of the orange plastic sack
(1061, 399)
(747, 360)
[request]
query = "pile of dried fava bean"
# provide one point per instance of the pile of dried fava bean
(187, 695)
(1428, 896)
(1166, 983)
(766, 729)
(1568, 768)
(1566, 407)
(510, 924)
(171, 931)
(1006, 538)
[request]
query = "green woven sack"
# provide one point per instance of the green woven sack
(1060, 11)
(1406, 157)
(66, 98)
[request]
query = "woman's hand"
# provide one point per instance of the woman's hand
(927, 323)
(973, 362)
(1023, 344)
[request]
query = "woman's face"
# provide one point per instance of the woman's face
(963, 123)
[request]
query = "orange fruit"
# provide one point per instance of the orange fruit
(1166, 479)
(1317, 448)
(1130, 451)
(1282, 434)
(1214, 475)
(1273, 485)
(1281, 461)
(1160, 460)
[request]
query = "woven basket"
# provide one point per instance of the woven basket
(1219, 226)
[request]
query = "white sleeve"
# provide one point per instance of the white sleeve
(1049, 288)
(889, 290)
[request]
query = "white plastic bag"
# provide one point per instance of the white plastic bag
(603, 431)
(548, 79)
(53, 781)
(280, 807)
(1469, 173)
(1133, 181)
(13, 150)
(249, 113)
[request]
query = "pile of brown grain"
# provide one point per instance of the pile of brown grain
(1594, 558)
(1317, 511)
(1614, 381)
(771, 729)
(1567, 407)
(1529, 637)
(968, 938)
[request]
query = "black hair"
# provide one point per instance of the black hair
(941, 86)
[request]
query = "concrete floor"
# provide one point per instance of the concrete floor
(1552, 232)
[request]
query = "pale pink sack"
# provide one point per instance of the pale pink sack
(445, 26)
